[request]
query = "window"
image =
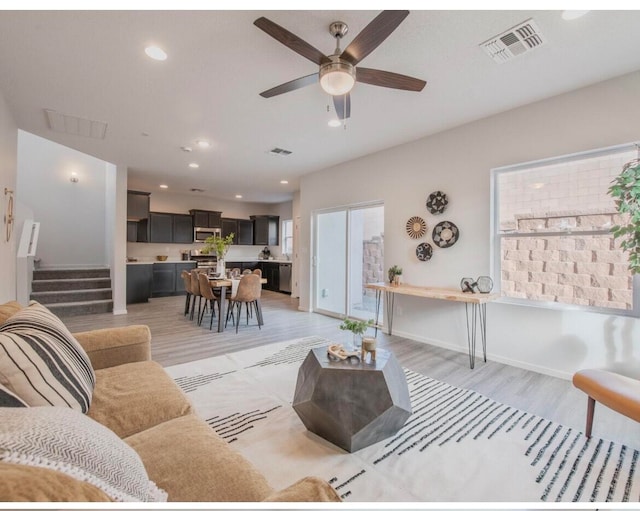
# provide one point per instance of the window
(287, 237)
(551, 229)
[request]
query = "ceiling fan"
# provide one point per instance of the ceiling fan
(338, 72)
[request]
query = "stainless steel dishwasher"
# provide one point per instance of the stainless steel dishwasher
(285, 277)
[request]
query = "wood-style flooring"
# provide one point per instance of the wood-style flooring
(176, 340)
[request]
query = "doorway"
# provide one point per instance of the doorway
(349, 253)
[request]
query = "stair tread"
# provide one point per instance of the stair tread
(72, 291)
(74, 279)
(86, 302)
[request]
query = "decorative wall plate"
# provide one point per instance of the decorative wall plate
(416, 227)
(424, 251)
(445, 234)
(437, 202)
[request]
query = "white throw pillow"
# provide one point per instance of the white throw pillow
(42, 363)
(65, 440)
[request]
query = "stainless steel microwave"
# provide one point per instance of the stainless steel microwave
(200, 234)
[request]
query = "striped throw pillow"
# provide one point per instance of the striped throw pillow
(42, 363)
(64, 440)
(9, 399)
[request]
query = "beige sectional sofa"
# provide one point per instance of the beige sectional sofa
(135, 398)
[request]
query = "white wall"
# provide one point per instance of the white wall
(458, 162)
(170, 202)
(8, 172)
(71, 215)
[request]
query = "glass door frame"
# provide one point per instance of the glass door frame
(314, 258)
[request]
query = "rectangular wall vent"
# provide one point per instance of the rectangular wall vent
(75, 125)
(516, 41)
(280, 152)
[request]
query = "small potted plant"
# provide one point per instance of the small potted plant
(357, 327)
(394, 274)
(220, 246)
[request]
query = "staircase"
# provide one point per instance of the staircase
(72, 292)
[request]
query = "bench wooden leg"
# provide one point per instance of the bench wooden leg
(591, 405)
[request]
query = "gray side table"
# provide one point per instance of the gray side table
(352, 405)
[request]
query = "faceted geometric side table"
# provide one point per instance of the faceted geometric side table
(352, 405)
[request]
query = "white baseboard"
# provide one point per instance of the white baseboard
(496, 358)
(119, 312)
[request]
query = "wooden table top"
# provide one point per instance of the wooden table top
(227, 282)
(437, 293)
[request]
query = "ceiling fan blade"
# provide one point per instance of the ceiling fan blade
(342, 104)
(291, 41)
(388, 79)
(298, 83)
(372, 35)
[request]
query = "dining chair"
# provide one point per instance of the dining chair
(257, 271)
(246, 272)
(210, 298)
(248, 293)
(195, 291)
(186, 278)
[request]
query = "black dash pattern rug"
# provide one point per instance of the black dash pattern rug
(457, 446)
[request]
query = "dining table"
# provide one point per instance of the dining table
(227, 283)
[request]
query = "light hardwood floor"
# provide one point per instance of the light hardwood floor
(176, 339)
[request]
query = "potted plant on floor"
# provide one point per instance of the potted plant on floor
(357, 327)
(625, 189)
(219, 246)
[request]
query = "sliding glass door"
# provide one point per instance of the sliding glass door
(349, 253)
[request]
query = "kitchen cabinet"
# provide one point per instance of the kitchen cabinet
(167, 278)
(271, 272)
(137, 205)
(132, 231)
(266, 230)
(182, 229)
(164, 228)
(241, 228)
(139, 278)
(205, 218)
(245, 232)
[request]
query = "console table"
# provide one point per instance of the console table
(476, 301)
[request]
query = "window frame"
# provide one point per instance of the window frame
(283, 230)
(495, 252)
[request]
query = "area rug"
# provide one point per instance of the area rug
(457, 446)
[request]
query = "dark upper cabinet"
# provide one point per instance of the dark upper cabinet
(245, 232)
(266, 230)
(182, 229)
(230, 226)
(132, 231)
(137, 205)
(204, 218)
(160, 228)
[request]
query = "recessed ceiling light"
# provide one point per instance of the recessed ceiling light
(203, 143)
(144, 134)
(155, 52)
(164, 186)
(186, 149)
(194, 165)
(573, 15)
(334, 123)
(284, 182)
(238, 196)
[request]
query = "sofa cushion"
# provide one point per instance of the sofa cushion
(133, 397)
(42, 362)
(8, 309)
(21, 483)
(8, 398)
(69, 442)
(193, 464)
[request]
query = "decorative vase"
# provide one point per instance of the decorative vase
(357, 341)
(220, 267)
(396, 280)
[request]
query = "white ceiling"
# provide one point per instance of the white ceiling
(91, 64)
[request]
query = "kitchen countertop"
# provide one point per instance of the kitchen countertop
(240, 260)
(153, 261)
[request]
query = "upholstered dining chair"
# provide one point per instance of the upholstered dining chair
(248, 293)
(186, 278)
(257, 271)
(210, 298)
(195, 292)
(246, 271)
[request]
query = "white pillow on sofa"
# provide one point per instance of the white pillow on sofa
(41, 361)
(65, 440)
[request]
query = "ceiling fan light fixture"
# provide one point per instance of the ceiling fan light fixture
(337, 77)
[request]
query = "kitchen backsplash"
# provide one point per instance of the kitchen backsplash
(149, 251)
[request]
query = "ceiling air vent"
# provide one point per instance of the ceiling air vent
(517, 40)
(75, 125)
(280, 152)
(199, 190)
